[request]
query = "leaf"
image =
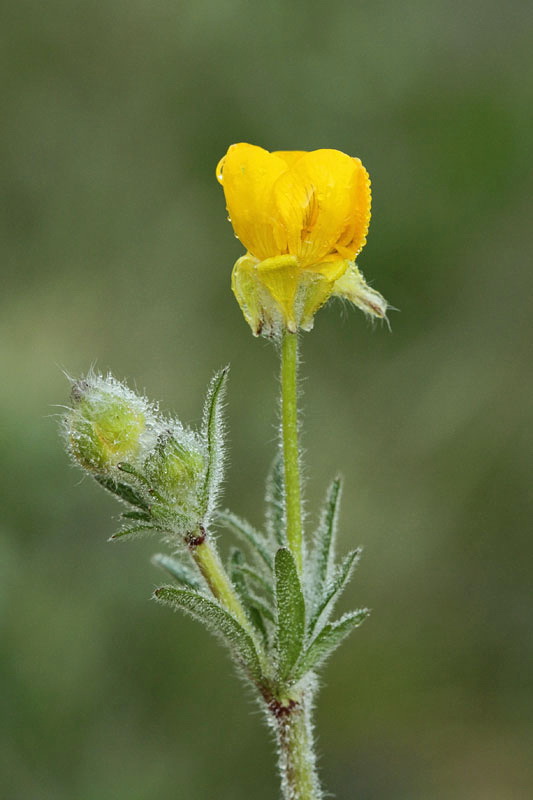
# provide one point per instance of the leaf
(130, 470)
(257, 608)
(124, 491)
(131, 531)
(179, 571)
(236, 559)
(219, 622)
(248, 533)
(257, 577)
(275, 502)
(335, 587)
(328, 640)
(325, 536)
(213, 435)
(140, 515)
(290, 612)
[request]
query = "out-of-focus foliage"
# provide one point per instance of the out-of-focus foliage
(116, 251)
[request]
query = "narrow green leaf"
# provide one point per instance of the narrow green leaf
(247, 533)
(132, 531)
(219, 622)
(328, 640)
(130, 470)
(253, 604)
(258, 603)
(258, 623)
(290, 612)
(125, 492)
(259, 579)
(213, 435)
(275, 502)
(235, 561)
(179, 571)
(325, 535)
(140, 515)
(334, 588)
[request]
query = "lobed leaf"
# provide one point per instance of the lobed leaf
(328, 640)
(290, 612)
(217, 620)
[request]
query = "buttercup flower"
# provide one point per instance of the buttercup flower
(303, 218)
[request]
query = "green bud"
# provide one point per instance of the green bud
(176, 467)
(108, 424)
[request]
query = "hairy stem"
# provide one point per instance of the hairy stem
(289, 439)
(297, 762)
(206, 557)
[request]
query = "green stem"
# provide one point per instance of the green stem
(206, 557)
(289, 438)
(297, 762)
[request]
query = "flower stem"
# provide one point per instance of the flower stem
(208, 561)
(297, 763)
(289, 439)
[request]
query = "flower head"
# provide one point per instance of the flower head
(303, 218)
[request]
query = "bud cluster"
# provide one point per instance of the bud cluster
(153, 464)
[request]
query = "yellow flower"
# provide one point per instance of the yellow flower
(303, 218)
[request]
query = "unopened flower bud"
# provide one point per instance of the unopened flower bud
(176, 468)
(108, 424)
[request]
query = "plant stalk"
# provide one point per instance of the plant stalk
(206, 557)
(296, 756)
(289, 440)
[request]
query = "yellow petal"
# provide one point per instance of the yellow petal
(353, 238)
(248, 174)
(318, 200)
(289, 156)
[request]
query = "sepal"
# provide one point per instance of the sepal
(353, 287)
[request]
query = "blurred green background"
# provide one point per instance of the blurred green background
(116, 252)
